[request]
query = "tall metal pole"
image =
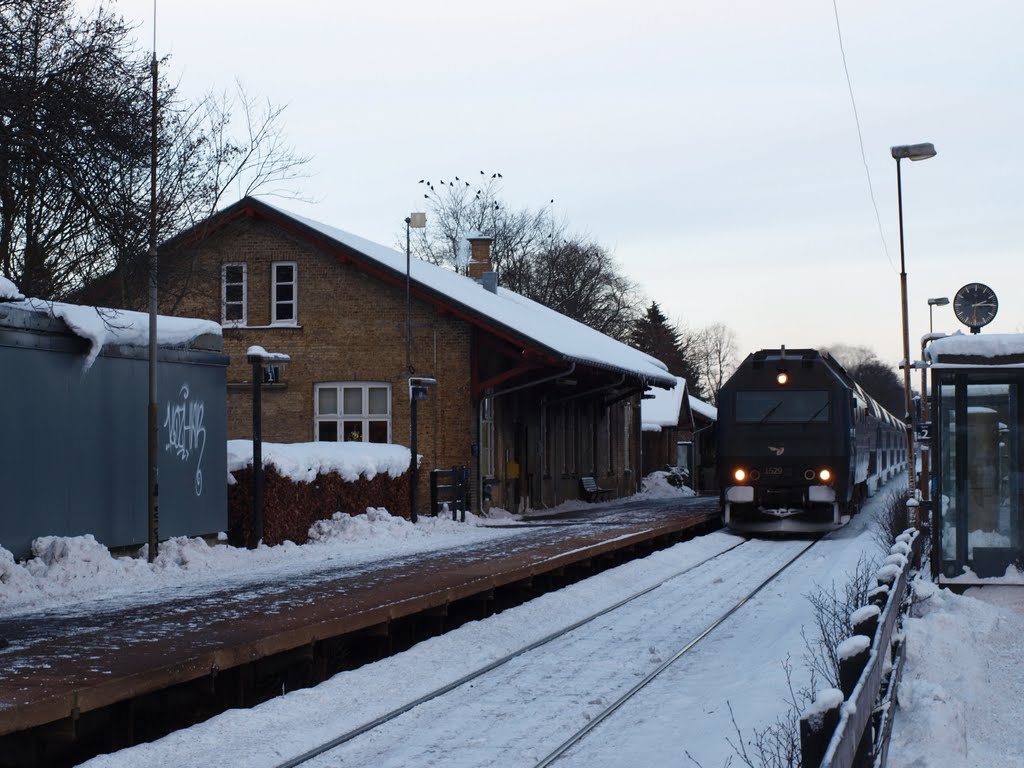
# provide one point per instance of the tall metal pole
(257, 454)
(413, 463)
(911, 458)
(408, 317)
(153, 475)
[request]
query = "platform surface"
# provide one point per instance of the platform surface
(102, 652)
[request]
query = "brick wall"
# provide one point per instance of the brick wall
(350, 327)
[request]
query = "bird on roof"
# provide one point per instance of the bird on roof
(421, 181)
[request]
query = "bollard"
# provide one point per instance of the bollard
(865, 620)
(818, 724)
(887, 575)
(879, 596)
(853, 657)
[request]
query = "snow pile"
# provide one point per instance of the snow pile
(378, 523)
(9, 291)
(852, 646)
(663, 485)
(65, 570)
(825, 701)
(960, 693)
(301, 462)
(864, 614)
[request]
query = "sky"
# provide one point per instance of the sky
(712, 147)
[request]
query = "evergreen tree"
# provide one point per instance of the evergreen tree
(653, 334)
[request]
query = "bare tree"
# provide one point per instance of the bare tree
(715, 351)
(879, 380)
(75, 119)
(532, 251)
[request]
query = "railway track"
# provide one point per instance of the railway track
(667, 610)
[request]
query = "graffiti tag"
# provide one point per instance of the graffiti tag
(186, 432)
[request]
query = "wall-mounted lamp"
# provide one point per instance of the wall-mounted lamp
(260, 360)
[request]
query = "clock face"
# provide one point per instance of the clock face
(975, 305)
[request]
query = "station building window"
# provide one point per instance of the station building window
(353, 412)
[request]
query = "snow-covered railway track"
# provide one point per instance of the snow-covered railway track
(614, 660)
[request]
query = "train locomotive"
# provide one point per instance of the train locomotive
(800, 443)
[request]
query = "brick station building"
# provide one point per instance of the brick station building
(527, 399)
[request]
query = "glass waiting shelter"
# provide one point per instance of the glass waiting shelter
(977, 382)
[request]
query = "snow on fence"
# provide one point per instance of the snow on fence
(850, 728)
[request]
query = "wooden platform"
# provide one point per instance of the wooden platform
(58, 665)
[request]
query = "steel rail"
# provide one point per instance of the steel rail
(388, 716)
(612, 708)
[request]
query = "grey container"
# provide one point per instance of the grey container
(73, 440)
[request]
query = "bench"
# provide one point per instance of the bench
(592, 491)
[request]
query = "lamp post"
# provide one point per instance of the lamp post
(941, 301)
(907, 152)
(926, 436)
(412, 221)
(260, 359)
(417, 391)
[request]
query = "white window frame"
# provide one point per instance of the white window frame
(339, 418)
(244, 320)
(274, 303)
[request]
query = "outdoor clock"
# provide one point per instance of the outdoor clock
(975, 305)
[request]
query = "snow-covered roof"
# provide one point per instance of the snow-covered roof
(982, 349)
(104, 327)
(706, 410)
(507, 311)
(662, 410)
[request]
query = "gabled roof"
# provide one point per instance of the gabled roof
(505, 313)
(663, 409)
(706, 410)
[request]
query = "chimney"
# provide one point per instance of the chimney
(479, 256)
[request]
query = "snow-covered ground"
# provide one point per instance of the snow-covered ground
(960, 699)
(961, 695)
(67, 570)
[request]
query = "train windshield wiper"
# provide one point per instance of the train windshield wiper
(769, 412)
(815, 414)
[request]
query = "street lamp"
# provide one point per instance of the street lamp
(260, 360)
(932, 303)
(925, 426)
(907, 152)
(417, 391)
(412, 221)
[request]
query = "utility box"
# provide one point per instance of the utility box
(75, 409)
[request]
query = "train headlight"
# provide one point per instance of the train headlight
(824, 475)
(740, 475)
(782, 377)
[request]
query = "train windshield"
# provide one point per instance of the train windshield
(782, 407)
